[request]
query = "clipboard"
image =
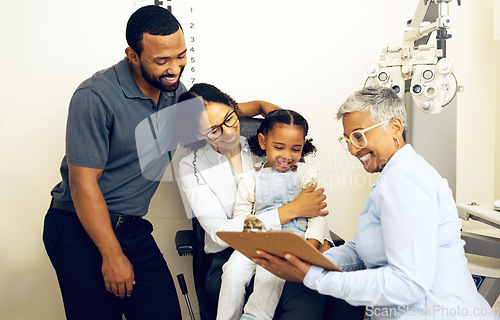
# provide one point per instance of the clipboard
(277, 243)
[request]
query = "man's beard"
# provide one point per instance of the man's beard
(157, 82)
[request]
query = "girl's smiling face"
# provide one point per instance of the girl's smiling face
(283, 145)
(380, 145)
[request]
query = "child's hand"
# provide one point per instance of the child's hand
(310, 202)
(324, 247)
(315, 243)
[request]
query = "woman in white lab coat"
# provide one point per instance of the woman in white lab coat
(406, 260)
(208, 178)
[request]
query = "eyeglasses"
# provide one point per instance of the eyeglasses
(215, 132)
(358, 137)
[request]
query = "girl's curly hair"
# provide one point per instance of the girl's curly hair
(284, 116)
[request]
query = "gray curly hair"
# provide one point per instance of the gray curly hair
(381, 103)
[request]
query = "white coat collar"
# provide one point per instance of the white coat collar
(214, 157)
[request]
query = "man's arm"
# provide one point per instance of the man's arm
(253, 108)
(93, 213)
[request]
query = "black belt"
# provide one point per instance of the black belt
(117, 220)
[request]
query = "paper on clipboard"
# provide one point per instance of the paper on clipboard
(277, 243)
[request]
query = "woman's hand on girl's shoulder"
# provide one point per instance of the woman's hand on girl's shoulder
(253, 108)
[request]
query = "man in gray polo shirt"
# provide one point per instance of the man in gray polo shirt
(105, 257)
(106, 260)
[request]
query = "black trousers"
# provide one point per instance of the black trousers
(78, 267)
(296, 302)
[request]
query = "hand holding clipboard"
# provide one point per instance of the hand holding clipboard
(277, 243)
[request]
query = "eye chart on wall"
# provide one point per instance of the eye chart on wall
(185, 12)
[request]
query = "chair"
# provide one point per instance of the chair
(191, 242)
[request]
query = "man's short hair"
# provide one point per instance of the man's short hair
(152, 19)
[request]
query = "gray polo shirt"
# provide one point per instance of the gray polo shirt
(104, 113)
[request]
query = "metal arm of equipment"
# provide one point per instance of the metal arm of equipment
(417, 67)
(417, 29)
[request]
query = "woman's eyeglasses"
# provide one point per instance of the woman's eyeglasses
(358, 137)
(215, 132)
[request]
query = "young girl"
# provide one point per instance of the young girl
(281, 138)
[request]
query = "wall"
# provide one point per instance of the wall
(474, 53)
(497, 126)
(306, 57)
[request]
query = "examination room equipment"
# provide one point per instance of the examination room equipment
(418, 67)
(422, 75)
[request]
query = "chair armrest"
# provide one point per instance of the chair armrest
(337, 240)
(184, 242)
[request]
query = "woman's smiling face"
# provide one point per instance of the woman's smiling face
(215, 115)
(380, 142)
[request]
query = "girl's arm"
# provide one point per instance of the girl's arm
(205, 204)
(315, 243)
(245, 196)
(316, 226)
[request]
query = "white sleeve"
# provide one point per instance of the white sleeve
(245, 201)
(316, 229)
(245, 196)
(205, 204)
(316, 226)
(207, 208)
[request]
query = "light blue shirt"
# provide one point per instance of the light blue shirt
(407, 257)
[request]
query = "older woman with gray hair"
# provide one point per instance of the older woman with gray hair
(407, 259)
